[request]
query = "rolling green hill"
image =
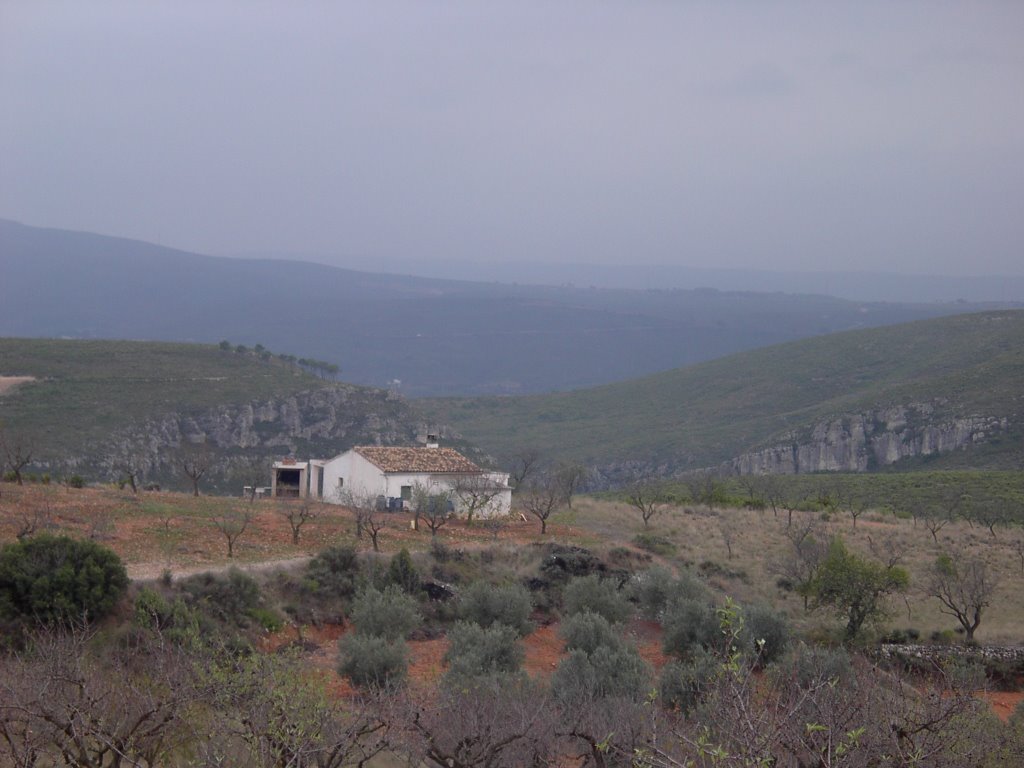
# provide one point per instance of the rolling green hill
(435, 337)
(95, 407)
(961, 373)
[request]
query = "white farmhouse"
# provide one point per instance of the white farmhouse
(393, 475)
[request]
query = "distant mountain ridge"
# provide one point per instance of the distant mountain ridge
(418, 336)
(944, 392)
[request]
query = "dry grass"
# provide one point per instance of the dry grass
(759, 541)
(157, 531)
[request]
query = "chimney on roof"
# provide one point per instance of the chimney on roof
(432, 441)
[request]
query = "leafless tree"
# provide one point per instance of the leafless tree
(433, 506)
(964, 585)
(18, 452)
(482, 726)
(70, 700)
(495, 525)
(934, 519)
(253, 471)
(729, 529)
(648, 496)
(704, 487)
(297, 514)
(571, 475)
(271, 712)
(33, 518)
(232, 523)
(542, 497)
(800, 565)
(989, 513)
(195, 463)
(477, 494)
(855, 503)
(525, 462)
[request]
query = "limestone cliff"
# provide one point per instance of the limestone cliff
(315, 423)
(858, 442)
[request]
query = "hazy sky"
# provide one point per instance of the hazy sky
(792, 135)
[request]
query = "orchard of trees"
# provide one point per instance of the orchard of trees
(176, 673)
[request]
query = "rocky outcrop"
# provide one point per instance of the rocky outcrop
(316, 423)
(862, 441)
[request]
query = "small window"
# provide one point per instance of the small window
(341, 482)
(407, 493)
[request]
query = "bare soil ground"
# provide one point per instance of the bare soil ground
(10, 383)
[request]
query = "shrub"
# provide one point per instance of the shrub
(810, 666)
(655, 588)
(765, 634)
(390, 614)
(690, 625)
(509, 605)
(334, 571)
(56, 579)
(402, 572)
(683, 686)
(231, 598)
(655, 544)
(596, 595)
(476, 654)
(588, 631)
(76, 481)
(370, 661)
(605, 672)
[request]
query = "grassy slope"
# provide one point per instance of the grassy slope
(87, 389)
(707, 413)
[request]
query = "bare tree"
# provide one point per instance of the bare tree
(801, 564)
(69, 700)
(571, 475)
(253, 471)
(934, 519)
(989, 513)
(477, 494)
(18, 452)
(232, 523)
(728, 527)
(964, 586)
(525, 462)
(704, 487)
(542, 497)
(195, 463)
(853, 502)
(32, 519)
(297, 514)
(433, 506)
(648, 496)
(373, 523)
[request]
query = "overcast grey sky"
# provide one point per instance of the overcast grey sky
(791, 135)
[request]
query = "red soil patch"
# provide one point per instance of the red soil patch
(544, 649)
(1002, 702)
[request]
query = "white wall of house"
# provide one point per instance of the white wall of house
(350, 476)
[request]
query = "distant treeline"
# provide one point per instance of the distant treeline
(321, 368)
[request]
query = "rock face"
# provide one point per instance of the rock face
(318, 423)
(862, 441)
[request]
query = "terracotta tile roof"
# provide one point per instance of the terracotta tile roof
(392, 459)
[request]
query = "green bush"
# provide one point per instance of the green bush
(690, 625)
(76, 481)
(596, 595)
(486, 604)
(402, 572)
(607, 672)
(655, 544)
(369, 661)
(50, 579)
(765, 634)
(811, 666)
(589, 631)
(654, 589)
(390, 614)
(231, 597)
(335, 571)
(477, 654)
(683, 686)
